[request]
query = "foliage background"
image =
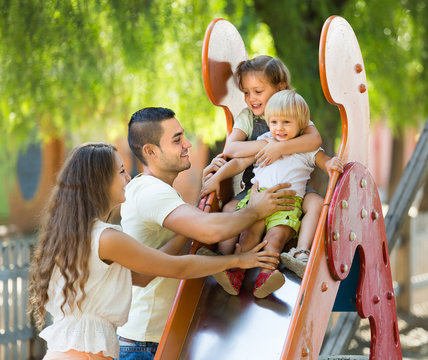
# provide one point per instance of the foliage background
(78, 68)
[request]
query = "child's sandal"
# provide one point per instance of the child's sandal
(266, 283)
(230, 280)
(295, 260)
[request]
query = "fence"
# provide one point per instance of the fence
(16, 330)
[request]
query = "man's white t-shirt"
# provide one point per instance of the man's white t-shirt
(149, 201)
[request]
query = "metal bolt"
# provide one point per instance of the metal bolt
(362, 88)
(358, 68)
(352, 236)
(376, 299)
(363, 183)
(343, 268)
(324, 286)
(305, 352)
(336, 235)
(363, 213)
(389, 295)
(344, 204)
(375, 215)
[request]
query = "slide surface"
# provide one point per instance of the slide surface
(242, 326)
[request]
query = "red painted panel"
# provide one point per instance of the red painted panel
(355, 221)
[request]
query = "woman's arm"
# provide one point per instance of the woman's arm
(237, 146)
(175, 246)
(119, 247)
(310, 140)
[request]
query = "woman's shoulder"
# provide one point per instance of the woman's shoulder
(98, 230)
(100, 225)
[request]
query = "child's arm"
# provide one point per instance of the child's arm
(310, 140)
(327, 164)
(213, 167)
(237, 146)
(231, 168)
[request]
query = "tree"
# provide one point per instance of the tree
(80, 68)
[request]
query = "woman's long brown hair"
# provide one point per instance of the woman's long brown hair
(80, 196)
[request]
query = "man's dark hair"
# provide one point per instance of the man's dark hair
(145, 128)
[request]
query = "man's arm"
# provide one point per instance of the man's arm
(211, 228)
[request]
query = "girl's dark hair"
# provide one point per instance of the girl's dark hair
(79, 197)
(273, 69)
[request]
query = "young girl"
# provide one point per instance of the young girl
(80, 266)
(260, 78)
(287, 115)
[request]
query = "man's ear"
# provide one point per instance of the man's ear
(148, 151)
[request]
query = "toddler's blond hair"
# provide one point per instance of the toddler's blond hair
(288, 103)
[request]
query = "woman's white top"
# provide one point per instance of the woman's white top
(105, 307)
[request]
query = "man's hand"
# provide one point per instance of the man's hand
(276, 198)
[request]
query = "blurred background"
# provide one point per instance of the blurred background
(73, 71)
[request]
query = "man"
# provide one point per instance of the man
(154, 212)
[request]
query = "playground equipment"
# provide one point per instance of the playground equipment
(35, 177)
(206, 323)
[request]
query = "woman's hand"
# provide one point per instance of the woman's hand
(256, 258)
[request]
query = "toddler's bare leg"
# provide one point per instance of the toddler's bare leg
(312, 206)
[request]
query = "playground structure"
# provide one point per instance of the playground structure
(206, 323)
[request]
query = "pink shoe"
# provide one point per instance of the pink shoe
(266, 283)
(230, 280)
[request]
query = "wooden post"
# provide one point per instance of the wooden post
(403, 275)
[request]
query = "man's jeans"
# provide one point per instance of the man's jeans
(138, 350)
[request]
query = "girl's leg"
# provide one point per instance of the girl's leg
(252, 236)
(269, 281)
(227, 247)
(231, 280)
(277, 237)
